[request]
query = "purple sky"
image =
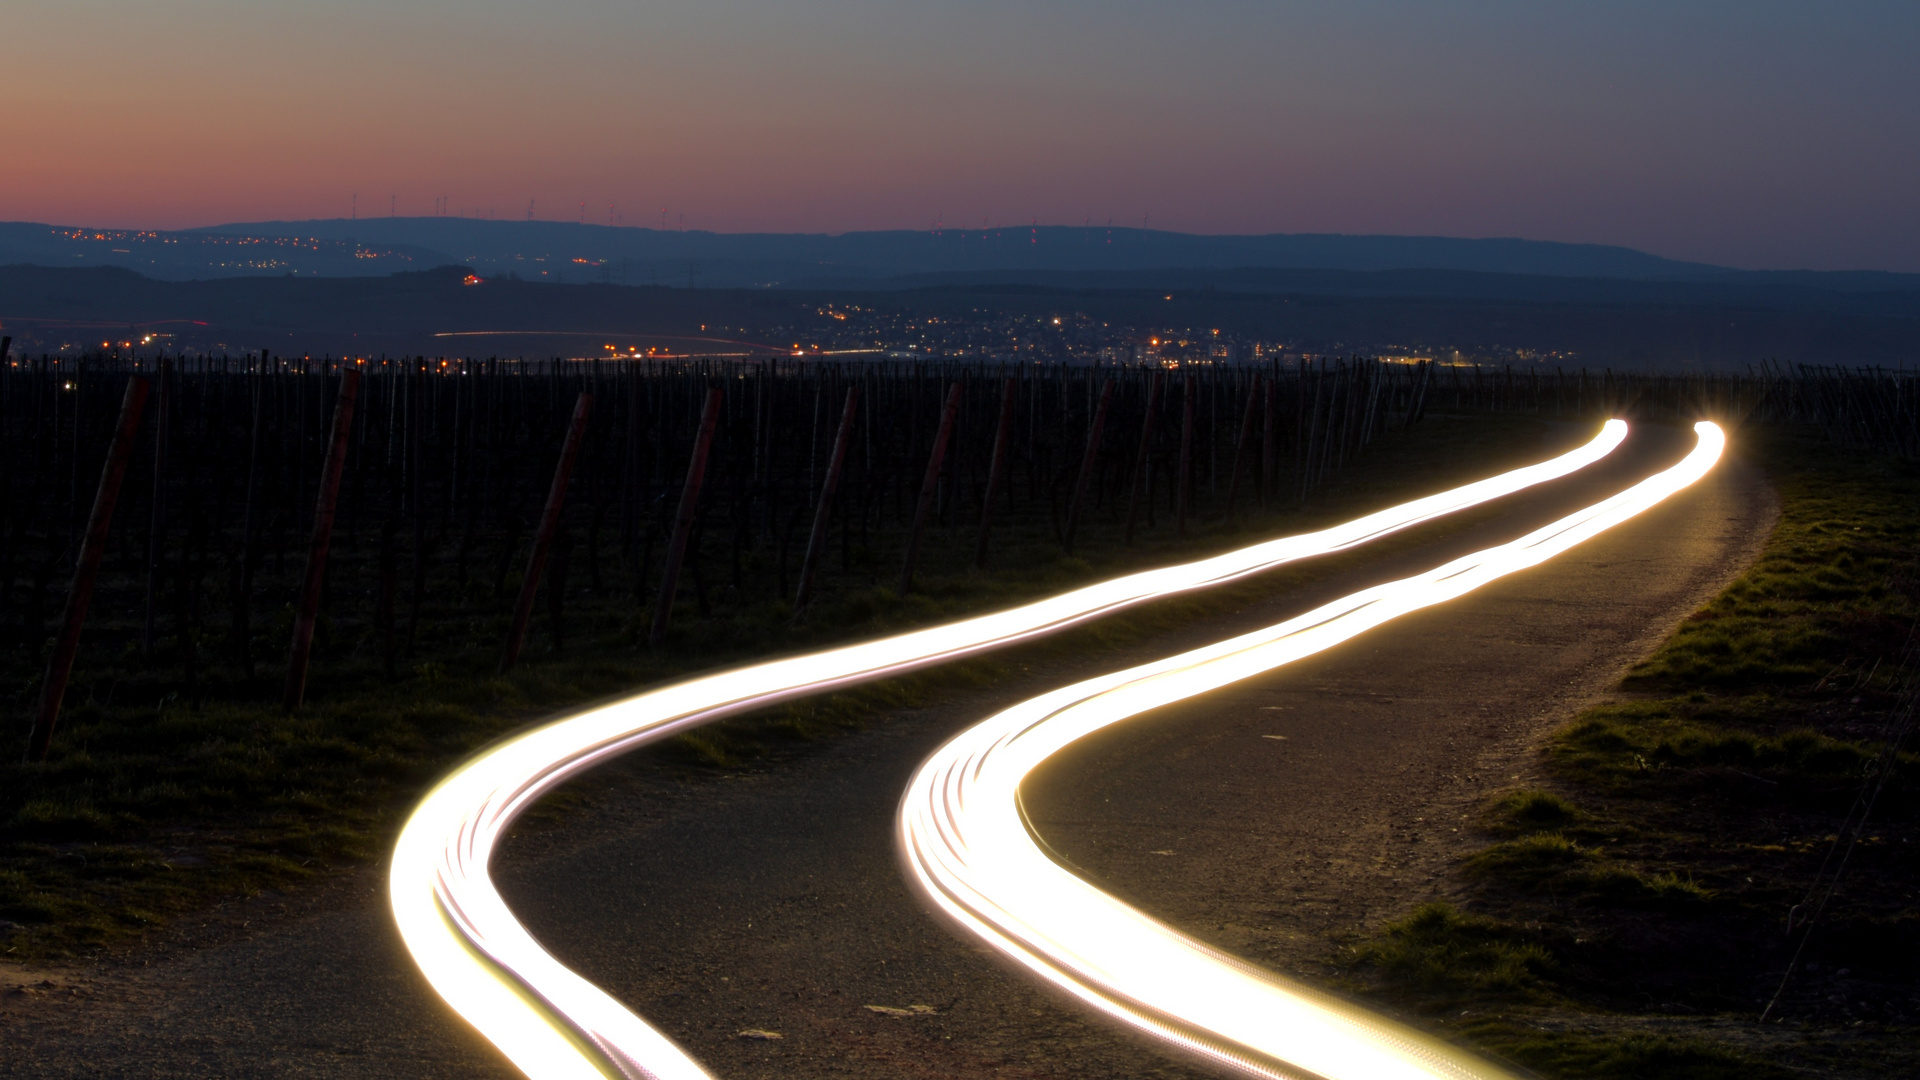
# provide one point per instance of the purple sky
(1753, 134)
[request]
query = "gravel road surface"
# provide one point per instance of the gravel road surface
(1271, 819)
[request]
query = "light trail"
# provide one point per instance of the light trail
(552, 1023)
(970, 849)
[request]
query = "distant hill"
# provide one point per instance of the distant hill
(791, 258)
(1055, 256)
(576, 253)
(189, 256)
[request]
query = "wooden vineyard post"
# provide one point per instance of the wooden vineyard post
(157, 512)
(1268, 446)
(549, 524)
(684, 515)
(1307, 430)
(309, 609)
(416, 498)
(1419, 394)
(929, 486)
(823, 514)
(1089, 461)
(60, 665)
(1142, 459)
(997, 468)
(243, 586)
(1184, 482)
(1240, 448)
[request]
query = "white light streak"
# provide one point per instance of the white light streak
(970, 850)
(551, 1022)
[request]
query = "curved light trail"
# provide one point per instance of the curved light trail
(971, 851)
(552, 1023)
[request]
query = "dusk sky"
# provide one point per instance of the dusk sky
(1753, 133)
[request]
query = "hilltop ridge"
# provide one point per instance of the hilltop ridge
(581, 253)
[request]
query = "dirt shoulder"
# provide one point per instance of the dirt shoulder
(1707, 872)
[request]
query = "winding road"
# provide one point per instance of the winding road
(771, 904)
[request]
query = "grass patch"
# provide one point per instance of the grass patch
(1443, 954)
(1534, 860)
(1633, 743)
(1552, 862)
(1532, 810)
(1629, 1057)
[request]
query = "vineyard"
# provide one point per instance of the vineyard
(276, 519)
(253, 605)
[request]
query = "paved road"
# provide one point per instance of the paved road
(773, 901)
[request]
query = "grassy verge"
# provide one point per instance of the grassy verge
(154, 804)
(1632, 918)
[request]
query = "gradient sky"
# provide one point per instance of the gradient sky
(1753, 133)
